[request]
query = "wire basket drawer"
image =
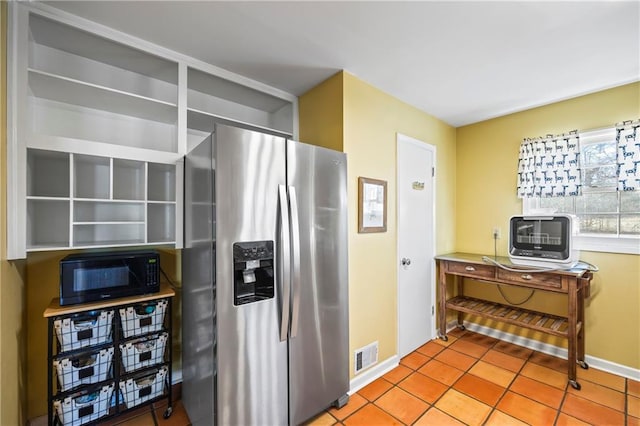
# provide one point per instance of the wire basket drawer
(83, 369)
(143, 352)
(84, 407)
(85, 329)
(143, 318)
(144, 388)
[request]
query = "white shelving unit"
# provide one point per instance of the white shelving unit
(83, 86)
(81, 201)
(210, 97)
(99, 123)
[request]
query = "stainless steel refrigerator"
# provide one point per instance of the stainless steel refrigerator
(265, 295)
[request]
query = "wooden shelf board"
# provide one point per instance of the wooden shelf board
(546, 323)
(54, 308)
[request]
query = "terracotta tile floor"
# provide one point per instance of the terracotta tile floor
(476, 380)
(470, 380)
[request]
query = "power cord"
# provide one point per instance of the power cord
(504, 296)
(487, 259)
(588, 266)
(171, 283)
(495, 262)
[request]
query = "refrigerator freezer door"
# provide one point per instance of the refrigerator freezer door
(319, 351)
(198, 313)
(251, 359)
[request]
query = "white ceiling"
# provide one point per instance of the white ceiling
(461, 61)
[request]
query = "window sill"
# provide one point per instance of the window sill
(607, 244)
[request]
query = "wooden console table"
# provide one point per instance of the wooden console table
(575, 283)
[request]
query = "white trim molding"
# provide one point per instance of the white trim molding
(372, 373)
(599, 363)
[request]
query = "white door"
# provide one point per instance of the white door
(416, 243)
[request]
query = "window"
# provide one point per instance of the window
(608, 219)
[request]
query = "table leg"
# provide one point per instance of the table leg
(582, 290)
(572, 318)
(460, 286)
(442, 301)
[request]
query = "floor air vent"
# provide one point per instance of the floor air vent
(366, 357)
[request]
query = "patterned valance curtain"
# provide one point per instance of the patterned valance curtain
(550, 166)
(628, 155)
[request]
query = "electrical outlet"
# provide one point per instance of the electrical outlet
(497, 234)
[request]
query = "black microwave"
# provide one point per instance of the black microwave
(90, 277)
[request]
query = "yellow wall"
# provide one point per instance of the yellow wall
(487, 156)
(371, 120)
(12, 298)
(323, 112)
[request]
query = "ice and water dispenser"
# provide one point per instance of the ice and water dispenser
(252, 272)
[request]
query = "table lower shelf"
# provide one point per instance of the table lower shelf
(546, 323)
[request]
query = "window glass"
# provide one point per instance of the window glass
(607, 218)
(598, 224)
(630, 201)
(599, 177)
(597, 202)
(630, 224)
(599, 153)
(557, 204)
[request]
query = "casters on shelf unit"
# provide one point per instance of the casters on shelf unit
(583, 365)
(461, 327)
(168, 412)
(574, 384)
(444, 338)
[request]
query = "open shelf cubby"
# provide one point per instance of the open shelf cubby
(106, 211)
(161, 222)
(84, 86)
(91, 177)
(211, 97)
(108, 205)
(108, 234)
(47, 173)
(129, 179)
(161, 184)
(47, 223)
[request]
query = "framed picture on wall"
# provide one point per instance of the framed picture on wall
(372, 205)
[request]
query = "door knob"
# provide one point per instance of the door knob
(405, 261)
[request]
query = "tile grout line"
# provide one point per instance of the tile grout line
(413, 371)
(565, 393)
(626, 401)
(450, 387)
(494, 407)
(506, 389)
(465, 372)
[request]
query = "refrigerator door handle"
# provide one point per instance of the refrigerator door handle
(286, 262)
(295, 251)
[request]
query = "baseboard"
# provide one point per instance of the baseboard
(599, 363)
(372, 373)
